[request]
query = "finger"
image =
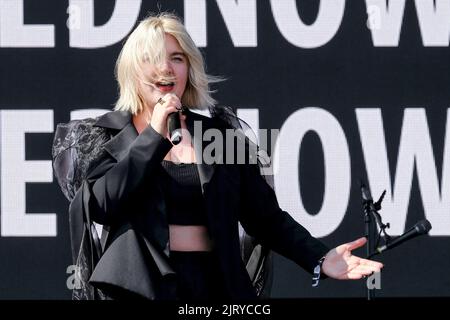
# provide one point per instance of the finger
(365, 269)
(162, 100)
(174, 102)
(360, 261)
(355, 274)
(171, 97)
(352, 276)
(168, 100)
(169, 110)
(356, 244)
(175, 95)
(371, 263)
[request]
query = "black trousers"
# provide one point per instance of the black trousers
(199, 277)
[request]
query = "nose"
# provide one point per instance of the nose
(166, 67)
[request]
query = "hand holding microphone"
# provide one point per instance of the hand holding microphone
(174, 127)
(166, 117)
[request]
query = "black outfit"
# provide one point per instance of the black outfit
(183, 194)
(198, 276)
(122, 193)
(198, 273)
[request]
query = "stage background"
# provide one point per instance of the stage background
(358, 94)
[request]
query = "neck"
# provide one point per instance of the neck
(142, 120)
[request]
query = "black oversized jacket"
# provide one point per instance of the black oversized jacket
(122, 193)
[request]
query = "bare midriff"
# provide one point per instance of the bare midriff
(189, 238)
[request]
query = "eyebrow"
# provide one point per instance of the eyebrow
(177, 53)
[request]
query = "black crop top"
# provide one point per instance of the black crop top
(183, 194)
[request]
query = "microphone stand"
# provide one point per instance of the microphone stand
(372, 219)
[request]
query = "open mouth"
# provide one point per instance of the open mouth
(165, 86)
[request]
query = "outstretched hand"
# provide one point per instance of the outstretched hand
(340, 264)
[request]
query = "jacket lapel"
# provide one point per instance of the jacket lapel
(201, 123)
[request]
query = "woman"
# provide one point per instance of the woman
(170, 216)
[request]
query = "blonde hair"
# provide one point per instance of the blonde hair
(147, 44)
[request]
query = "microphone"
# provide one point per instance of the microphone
(174, 127)
(421, 227)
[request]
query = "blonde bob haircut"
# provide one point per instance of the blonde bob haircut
(146, 44)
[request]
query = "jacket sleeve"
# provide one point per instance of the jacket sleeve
(111, 183)
(262, 218)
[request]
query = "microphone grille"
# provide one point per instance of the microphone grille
(423, 226)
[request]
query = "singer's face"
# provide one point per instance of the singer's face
(169, 77)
